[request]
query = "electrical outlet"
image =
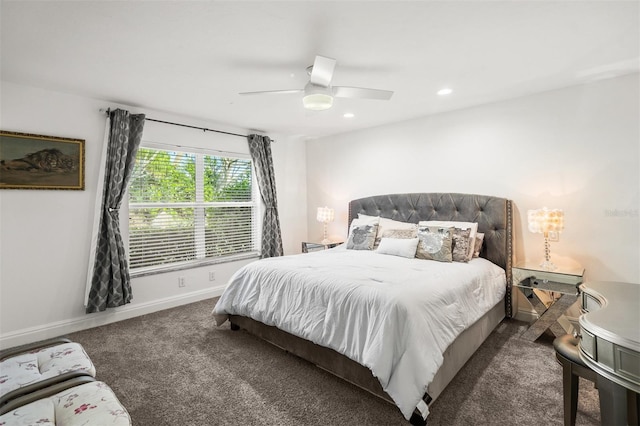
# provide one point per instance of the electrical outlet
(212, 276)
(182, 282)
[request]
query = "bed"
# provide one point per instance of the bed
(387, 368)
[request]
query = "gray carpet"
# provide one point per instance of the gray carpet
(175, 367)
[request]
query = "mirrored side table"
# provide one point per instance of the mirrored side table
(550, 294)
(308, 247)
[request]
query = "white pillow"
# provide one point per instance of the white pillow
(473, 226)
(403, 247)
(386, 224)
(367, 217)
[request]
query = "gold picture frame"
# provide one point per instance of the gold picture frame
(29, 161)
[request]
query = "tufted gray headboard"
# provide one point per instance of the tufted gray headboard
(493, 214)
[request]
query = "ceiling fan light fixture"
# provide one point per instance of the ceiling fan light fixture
(317, 98)
(319, 93)
(317, 101)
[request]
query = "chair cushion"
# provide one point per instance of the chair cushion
(88, 404)
(567, 346)
(41, 364)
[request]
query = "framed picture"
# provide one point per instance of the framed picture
(40, 162)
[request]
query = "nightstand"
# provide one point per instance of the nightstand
(309, 247)
(550, 294)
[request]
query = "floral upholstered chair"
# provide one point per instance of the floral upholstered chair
(88, 403)
(29, 368)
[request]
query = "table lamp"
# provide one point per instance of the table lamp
(544, 221)
(325, 215)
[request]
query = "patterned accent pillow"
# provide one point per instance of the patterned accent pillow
(478, 244)
(388, 224)
(455, 224)
(402, 234)
(362, 237)
(435, 243)
(460, 245)
(363, 220)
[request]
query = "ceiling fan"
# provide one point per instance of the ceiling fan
(319, 93)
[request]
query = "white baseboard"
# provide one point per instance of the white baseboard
(60, 328)
(526, 315)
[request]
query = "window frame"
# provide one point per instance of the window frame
(256, 202)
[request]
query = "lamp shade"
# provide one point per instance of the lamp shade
(325, 215)
(543, 221)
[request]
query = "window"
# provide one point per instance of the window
(190, 208)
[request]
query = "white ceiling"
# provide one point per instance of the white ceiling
(193, 57)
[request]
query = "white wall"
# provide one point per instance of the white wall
(576, 149)
(44, 235)
(289, 153)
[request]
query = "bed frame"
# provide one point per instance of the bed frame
(494, 217)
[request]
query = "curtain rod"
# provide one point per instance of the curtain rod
(195, 127)
(205, 129)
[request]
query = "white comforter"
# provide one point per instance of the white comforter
(394, 315)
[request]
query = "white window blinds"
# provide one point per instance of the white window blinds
(190, 207)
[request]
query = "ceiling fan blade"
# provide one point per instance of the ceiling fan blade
(361, 93)
(273, 92)
(322, 71)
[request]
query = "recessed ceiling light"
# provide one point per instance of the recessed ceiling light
(348, 115)
(445, 91)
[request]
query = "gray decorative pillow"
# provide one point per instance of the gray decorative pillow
(460, 245)
(455, 224)
(435, 243)
(402, 234)
(478, 244)
(362, 220)
(362, 237)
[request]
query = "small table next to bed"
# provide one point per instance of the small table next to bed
(550, 294)
(308, 247)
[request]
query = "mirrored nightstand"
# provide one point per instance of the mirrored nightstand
(308, 247)
(550, 294)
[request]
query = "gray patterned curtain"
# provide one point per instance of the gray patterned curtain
(260, 149)
(110, 282)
